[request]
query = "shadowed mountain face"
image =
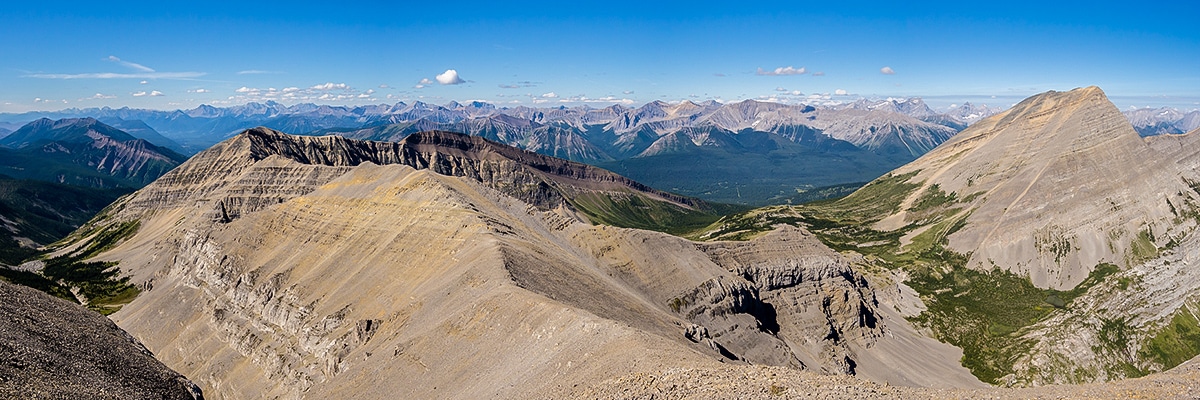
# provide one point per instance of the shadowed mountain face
(83, 152)
(55, 349)
(445, 265)
(55, 175)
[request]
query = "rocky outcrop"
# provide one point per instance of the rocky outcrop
(50, 348)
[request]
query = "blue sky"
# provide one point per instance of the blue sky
(168, 56)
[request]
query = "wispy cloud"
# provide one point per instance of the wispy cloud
(819, 73)
(887, 71)
(141, 72)
(201, 90)
(550, 95)
(450, 77)
(143, 93)
(113, 75)
(133, 65)
(781, 71)
(502, 86)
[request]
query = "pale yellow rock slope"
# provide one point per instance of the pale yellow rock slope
(1057, 184)
(270, 277)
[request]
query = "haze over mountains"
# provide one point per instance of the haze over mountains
(757, 152)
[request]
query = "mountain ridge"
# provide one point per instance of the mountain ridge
(314, 277)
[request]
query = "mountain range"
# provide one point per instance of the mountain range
(761, 152)
(55, 175)
(1046, 245)
(1158, 121)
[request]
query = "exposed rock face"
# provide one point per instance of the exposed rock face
(247, 185)
(1059, 183)
(1053, 188)
(50, 348)
(329, 274)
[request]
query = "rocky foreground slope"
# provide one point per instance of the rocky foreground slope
(761, 382)
(52, 349)
(289, 266)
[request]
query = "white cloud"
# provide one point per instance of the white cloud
(797, 93)
(450, 77)
(139, 94)
(292, 89)
(840, 92)
(887, 71)
(244, 89)
(114, 75)
(99, 96)
(627, 92)
(144, 82)
(550, 95)
(156, 93)
(425, 81)
(788, 70)
(331, 86)
(370, 91)
(819, 73)
(419, 86)
(201, 90)
(384, 86)
(780, 89)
